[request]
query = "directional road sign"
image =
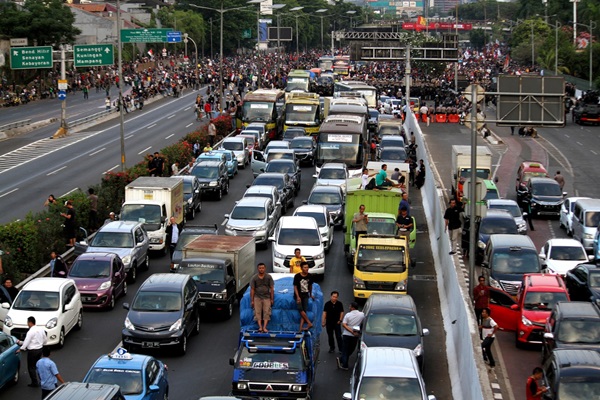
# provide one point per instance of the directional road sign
(31, 57)
(93, 55)
(174, 37)
(62, 95)
(144, 35)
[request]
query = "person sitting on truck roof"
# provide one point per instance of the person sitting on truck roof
(303, 283)
(382, 181)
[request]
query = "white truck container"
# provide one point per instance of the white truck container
(461, 165)
(152, 201)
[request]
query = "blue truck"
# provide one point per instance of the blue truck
(280, 364)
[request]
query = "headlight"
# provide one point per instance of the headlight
(588, 236)
(494, 283)
(105, 285)
(8, 321)
(418, 351)
(242, 386)
(401, 286)
(126, 259)
(277, 254)
(174, 267)
(213, 183)
(176, 326)
(358, 283)
(480, 244)
(522, 226)
(189, 201)
(52, 323)
(525, 321)
(155, 240)
(297, 388)
(129, 325)
(320, 256)
(222, 295)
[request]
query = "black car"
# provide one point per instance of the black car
(292, 133)
(495, 222)
(373, 122)
(583, 283)
(572, 374)
(305, 149)
(283, 184)
(192, 195)
(572, 325)
(213, 177)
(287, 167)
(391, 320)
(163, 313)
(332, 198)
(188, 234)
(544, 194)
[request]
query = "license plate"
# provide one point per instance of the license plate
(202, 304)
(150, 344)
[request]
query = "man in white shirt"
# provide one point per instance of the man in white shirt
(488, 332)
(349, 335)
(34, 341)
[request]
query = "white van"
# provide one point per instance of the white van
(298, 232)
(239, 146)
(586, 217)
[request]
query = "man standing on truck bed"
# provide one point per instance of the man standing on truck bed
(360, 220)
(303, 282)
(262, 290)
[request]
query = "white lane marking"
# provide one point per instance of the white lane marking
(69, 192)
(108, 170)
(185, 109)
(170, 136)
(97, 151)
(567, 135)
(7, 193)
(55, 171)
(146, 149)
(128, 137)
(150, 126)
(170, 116)
(594, 152)
(579, 143)
(188, 125)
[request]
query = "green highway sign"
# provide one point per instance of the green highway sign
(247, 34)
(144, 35)
(31, 57)
(93, 55)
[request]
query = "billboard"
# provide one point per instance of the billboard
(285, 34)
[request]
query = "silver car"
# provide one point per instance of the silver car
(129, 240)
(332, 174)
(320, 214)
(252, 216)
(269, 192)
(513, 208)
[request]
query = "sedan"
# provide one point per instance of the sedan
(562, 255)
(100, 278)
(252, 216)
(583, 283)
(566, 213)
(288, 167)
(282, 183)
(332, 198)
(140, 377)
(320, 214)
(192, 195)
(10, 360)
(305, 149)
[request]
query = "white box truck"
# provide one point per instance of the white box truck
(461, 166)
(222, 267)
(152, 201)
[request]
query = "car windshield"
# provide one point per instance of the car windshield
(239, 146)
(381, 226)
(205, 172)
(592, 218)
(301, 144)
(145, 213)
(545, 189)
(269, 181)
(567, 253)
(292, 133)
(324, 198)
(204, 273)
(332, 173)
(32, 300)
(187, 187)
(392, 141)
(130, 380)
(579, 387)
(491, 194)
(281, 167)
(228, 155)
(490, 226)
(123, 240)
(389, 130)
(318, 216)
(270, 360)
(90, 269)
(513, 209)
(388, 388)
(529, 175)
(393, 155)
(249, 213)
(379, 258)
(543, 301)
(579, 331)
(299, 237)
(147, 300)
(391, 324)
(515, 262)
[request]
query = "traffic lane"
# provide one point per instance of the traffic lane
(83, 163)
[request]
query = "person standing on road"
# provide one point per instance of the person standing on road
(333, 314)
(93, 215)
(481, 299)
(35, 339)
(560, 179)
(360, 220)
(488, 330)
(303, 283)
(350, 336)
(212, 133)
(58, 267)
(207, 110)
(173, 230)
(70, 223)
(453, 225)
(262, 292)
(107, 103)
(526, 209)
(532, 389)
(296, 262)
(48, 373)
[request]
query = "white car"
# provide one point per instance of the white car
(332, 174)
(55, 303)
(320, 214)
(566, 213)
(302, 233)
(239, 146)
(562, 255)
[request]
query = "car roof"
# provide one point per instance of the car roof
(297, 222)
(46, 284)
(541, 179)
(497, 213)
(334, 166)
(119, 226)
(96, 255)
(578, 309)
(508, 240)
(208, 163)
(533, 165)
(396, 303)
(272, 174)
(589, 203)
(392, 362)
(282, 161)
(326, 188)
(575, 357)
(311, 208)
(261, 189)
(85, 391)
(302, 138)
(278, 143)
(590, 266)
(502, 202)
(137, 361)
(564, 242)
(257, 124)
(233, 139)
(252, 201)
(164, 282)
(544, 282)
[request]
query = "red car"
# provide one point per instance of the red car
(527, 315)
(529, 169)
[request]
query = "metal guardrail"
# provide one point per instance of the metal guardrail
(16, 124)
(84, 120)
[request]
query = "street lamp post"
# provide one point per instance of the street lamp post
(296, 16)
(278, 7)
(591, 27)
(187, 37)
(532, 47)
(257, 2)
(575, 20)
(120, 88)
(322, 10)
(351, 13)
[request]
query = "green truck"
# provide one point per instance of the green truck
(382, 208)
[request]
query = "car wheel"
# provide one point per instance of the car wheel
(124, 289)
(166, 396)
(132, 275)
(79, 323)
(111, 305)
(227, 188)
(183, 345)
(193, 213)
(197, 325)
(61, 338)
(220, 194)
(229, 310)
(147, 262)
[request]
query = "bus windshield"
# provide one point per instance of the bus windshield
(301, 113)
(297, 83)
(340, 147)
(257, 111)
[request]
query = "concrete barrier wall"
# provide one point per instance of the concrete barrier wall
(462, 344)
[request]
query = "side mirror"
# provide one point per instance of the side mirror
(68, 307)
(514, 307)
(247, 186)
(549, 336)
(6, 306)
(278, 203)
(325, 239)
(564, 194)
(231, 361)
(425, 332)
(153, 388)
(226, 216)
(126, 306)
(163, 219)
(315, 176)
(525, 214)
(591, 258)
(271, 238)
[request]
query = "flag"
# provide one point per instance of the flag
(150, 53)
(506, 62)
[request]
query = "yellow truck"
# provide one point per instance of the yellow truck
(303, 110)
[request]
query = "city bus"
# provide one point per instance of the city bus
(303, 110)
(343, 138)
(266, 106)
(341, 65)
(367, 91)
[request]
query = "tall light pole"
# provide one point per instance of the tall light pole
(320, 11)
(297, 16)
(187, 37)
(351, 13)
(120, 86)
(257, 2)
(574, 20)
(532, 46)
(278, 7)
(591, 27)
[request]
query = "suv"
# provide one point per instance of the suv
(129, 240)
(213, 177)
(332, 174)
(583, 282)
(572, 374)
(545, 196)
(252, 216)
(288, 167)
(572, 325)
(305, 149)
(298, 232)
(192, 195)
(513, 208)
(495, 222)
(527, 315)
(283, 184)
(391, 320)
(163, 313)
(332, 197)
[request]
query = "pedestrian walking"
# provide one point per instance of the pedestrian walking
(333, 315)
(58, 267)
(560, 179)
(532, 389)
(35, 339)
(48, 373)
(262, 292)
(526, 210)
(481, 299)
(350, 334)
(93, 214)
(488, 331)
(107, 103)
(465, 237)
(303, 283)
(70, 223)
(296, 262)
(361, 221)
(453, 224)
(86, 92)
(173, 231)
